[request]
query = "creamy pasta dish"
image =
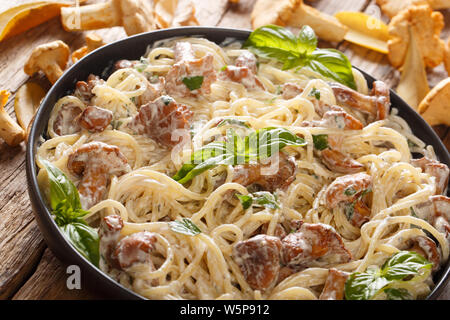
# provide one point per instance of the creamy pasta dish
(206, 171)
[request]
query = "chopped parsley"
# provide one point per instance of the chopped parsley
(350, 191)
(185, 226)
(315, 93)
(193, 83)
(320, 141)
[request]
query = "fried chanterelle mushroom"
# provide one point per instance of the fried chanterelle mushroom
(136, 16)
(426, 26)
(50, 58)
(435, 108)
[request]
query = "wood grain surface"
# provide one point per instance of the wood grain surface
(28, 269)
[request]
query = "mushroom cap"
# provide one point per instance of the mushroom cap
(426, 26)
(93, 41)
(392, 7)
(435, 108)
(97, 156)
(48, 53)
(137, 16)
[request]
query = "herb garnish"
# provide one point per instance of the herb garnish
(262, 199)
(402, 267)
(320, 141)
(315, 93)
(258, 145)
(68, 214)
(233, 122)
(274, 42)
(193, 83)
(185, 226)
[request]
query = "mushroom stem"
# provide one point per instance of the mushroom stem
(10, 131)
(95, 16)
(53, 72)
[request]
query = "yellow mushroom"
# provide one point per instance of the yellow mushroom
(136, 16)
(93, 41)
(185, 15)
(435, 108)
(392, 7)
(413, 86)
(426, 25)
(296, 14)
(10, 131)
(50, 58)
(447, 56)
(26, 103)
(272, 12)
(326, 27)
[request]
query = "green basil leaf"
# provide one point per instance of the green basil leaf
(332, 64)
(185, 226)
(193, 83)
(84, 238)
(307, 40)
(233, 122)
(190, 171)
(246, 200)
(261, 199)
(320, 141)
(397, 294)
(404, 264)
(61, 188)
(257, 145)
(263, 143)
(266, 199)
(273, 42)
(364, 286)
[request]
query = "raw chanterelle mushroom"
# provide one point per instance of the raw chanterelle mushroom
(51, 58)
(326, 27)
(392, 7)
(93, 41)
(426, 26)
(272, 12)
(10, 131)
(296, 14)
(413, 85)
(447, 56)
(435, 108)
(136, 16)
(26, 102)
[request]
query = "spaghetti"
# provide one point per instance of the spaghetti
(351, 198)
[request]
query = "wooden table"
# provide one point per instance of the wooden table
(28, 269)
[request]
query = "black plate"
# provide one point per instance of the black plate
(133, 48)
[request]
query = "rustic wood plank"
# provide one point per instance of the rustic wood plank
(20, 239)
(49, 283)
(21, 242)
(238, 15)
